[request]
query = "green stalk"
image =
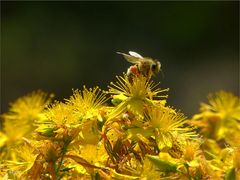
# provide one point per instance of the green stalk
(64, 150)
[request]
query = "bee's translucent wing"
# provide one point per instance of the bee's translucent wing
(135, 54)
(129, 58)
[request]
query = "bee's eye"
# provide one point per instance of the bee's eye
(154, 66)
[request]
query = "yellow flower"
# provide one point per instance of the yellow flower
(224, 103)
(134, 94)
(220, 118)
(90, 133)
(61, 114)
(140, 170)
(88, 107)
(94, 154)
(236, 160)
(3, 139)
(60, 123)
(192, 152)
(222, 162)
(168, 126)
(232, 134)
(88, 102)
(22, 115)
(24, 161)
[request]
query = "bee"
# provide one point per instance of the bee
(142, 65)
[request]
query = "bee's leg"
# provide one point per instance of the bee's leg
(130, 77)
(130, 73)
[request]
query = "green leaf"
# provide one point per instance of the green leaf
(230, 174)
(163, 166)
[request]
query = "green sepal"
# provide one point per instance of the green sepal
(47, 131)
(116, 102)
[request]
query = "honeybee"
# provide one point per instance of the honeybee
(142, 65)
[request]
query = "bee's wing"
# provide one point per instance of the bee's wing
(135, 54)
(130, 58)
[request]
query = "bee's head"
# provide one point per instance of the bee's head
(155, 67)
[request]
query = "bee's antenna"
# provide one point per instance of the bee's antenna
(119, 53)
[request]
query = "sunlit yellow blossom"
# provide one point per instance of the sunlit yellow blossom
(232, 134)
(59, 122)
(61, 114)
(94, 154)
(90, 132)
(192, 153)
(134, 94)
(88, 102)
(221, 163)
(144, 170)
(87, 107)
(207, 171)
(25, 158)
(220, 118)
(22, 115)
(168, 126)
(138, 136)
(28, 106)
(225, 103)
(191, 150)
(3, 139)
(236, 160)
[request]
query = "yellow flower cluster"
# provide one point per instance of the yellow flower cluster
(126, 132)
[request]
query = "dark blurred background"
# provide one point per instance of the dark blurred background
(57, 46)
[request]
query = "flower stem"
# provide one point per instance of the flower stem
(64, 150)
